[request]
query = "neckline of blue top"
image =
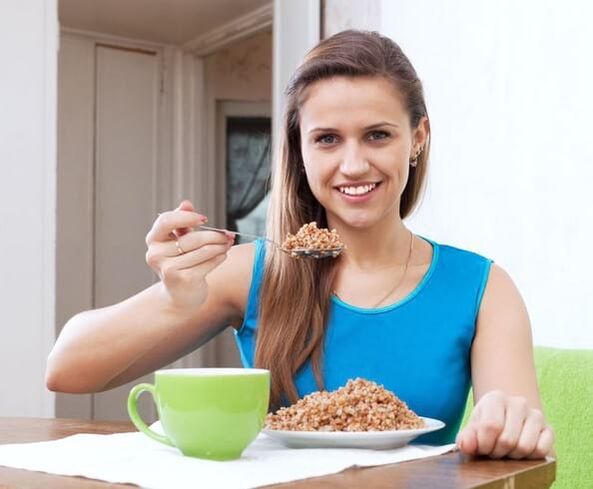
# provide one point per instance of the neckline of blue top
(435, 256)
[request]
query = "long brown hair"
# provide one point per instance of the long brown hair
(295, 294)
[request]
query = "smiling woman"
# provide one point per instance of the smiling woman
(423, 319)
(350, 131)
(354, 154)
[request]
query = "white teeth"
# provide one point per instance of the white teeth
(363, 189)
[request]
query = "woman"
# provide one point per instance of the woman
(418, 317)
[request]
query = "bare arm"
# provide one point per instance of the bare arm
(507, 420)
(103, 348)
(502, 353)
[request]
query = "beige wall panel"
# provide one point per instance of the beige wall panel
(74, 245)
(125, 188)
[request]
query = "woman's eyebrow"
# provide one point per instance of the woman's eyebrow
(368, 128)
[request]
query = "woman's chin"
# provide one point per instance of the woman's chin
(356, 222)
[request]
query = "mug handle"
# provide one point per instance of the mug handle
(135, 417)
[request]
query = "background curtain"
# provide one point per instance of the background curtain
(248, 166)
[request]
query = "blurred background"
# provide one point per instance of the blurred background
(112, 111)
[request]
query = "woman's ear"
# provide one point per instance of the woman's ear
(421, 133)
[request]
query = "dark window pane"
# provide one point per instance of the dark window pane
(248, 169)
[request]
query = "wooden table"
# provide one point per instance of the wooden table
(446, 471)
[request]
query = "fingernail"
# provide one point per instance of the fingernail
(202, 218)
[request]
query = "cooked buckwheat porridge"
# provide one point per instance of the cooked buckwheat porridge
(309, 236)
(361, 405)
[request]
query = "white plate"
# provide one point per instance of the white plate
(378, 440)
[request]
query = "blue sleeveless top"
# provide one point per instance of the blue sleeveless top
(418, 347)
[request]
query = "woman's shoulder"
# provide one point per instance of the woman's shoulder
(457, 253)
(460, 266)
(494, 281)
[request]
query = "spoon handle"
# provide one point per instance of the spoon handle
(208, 228)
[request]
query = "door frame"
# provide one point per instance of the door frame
(184, 142)
(82, 217)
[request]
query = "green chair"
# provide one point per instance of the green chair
(566, 386)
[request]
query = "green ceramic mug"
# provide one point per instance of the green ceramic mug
(211, 413)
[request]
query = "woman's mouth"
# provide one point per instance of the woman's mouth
(357, 192)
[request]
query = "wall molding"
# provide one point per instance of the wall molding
(49, 218)
(240, 28)
(297, 28)
(101, 37)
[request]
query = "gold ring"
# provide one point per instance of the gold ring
(179, 248)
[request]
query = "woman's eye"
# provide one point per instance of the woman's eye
(327, 139)
(376, 135)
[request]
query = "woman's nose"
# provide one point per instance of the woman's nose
(354, 162)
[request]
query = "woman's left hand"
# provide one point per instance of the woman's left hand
(505, 426)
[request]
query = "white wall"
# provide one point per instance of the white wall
(297, 27)
(509, 94)
(28, 50)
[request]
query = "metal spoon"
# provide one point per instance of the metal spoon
(297, 252)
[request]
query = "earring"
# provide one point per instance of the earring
(414, 160)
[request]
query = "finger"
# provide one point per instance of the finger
(189, 275)
(206, 267)
(527, 443)
(490, 425)
(167, 222)
(544, 444)
(173, 276)
(467, 440)
(194, 240)
(197, 257)
(158, 252)
(515, 416)
(186, 205)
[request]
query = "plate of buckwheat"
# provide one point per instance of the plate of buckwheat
(362, 414)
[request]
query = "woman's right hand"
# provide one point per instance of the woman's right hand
(182, 257)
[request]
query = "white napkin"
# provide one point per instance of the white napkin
(134, 458)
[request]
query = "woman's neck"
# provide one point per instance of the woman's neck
(377, 247)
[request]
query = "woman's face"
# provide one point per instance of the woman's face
(356, 143)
